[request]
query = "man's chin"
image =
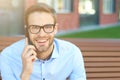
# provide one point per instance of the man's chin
(41, 49)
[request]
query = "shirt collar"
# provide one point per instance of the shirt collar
(55, 52)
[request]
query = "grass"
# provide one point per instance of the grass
(110, 32)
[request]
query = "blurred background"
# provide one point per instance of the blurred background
(11, 17)
(72, 15)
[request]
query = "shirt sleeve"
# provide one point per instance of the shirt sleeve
(78, 72)
(5, 68)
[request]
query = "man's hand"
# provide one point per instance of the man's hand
(28, 57)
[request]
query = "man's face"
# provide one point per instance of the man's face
(41, 40)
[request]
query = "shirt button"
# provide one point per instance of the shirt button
(43, 78)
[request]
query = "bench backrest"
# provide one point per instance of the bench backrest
(101, 56)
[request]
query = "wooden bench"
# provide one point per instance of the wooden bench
(101, 56)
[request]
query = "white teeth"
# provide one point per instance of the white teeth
(42, 40)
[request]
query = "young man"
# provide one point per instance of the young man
(41, 56)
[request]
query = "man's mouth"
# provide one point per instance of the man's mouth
(41, 42)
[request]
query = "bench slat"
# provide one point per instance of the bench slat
(103, 75)
(102, 64)
(102, 59)
(101, 49)
(103, 69)
(101, 54)
(104, 78)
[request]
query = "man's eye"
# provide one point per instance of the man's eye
(35, 27)
(48, 26)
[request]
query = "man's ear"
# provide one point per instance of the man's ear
(25, 26)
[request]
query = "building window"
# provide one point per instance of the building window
(61, 6)
(87, 7)
(49, 2)
(108, 6)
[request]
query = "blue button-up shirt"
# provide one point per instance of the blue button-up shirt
(65, 61)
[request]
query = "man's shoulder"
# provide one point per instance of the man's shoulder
(67, 48)
(64, 43)
(17, 43)
(16, 46)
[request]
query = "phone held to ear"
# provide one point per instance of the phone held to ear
(27, 35)
(29, 42)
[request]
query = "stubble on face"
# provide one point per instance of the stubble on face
(45, 47)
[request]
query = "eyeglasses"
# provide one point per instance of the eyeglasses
(48, 28)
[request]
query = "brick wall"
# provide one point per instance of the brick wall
(69, 21)
(107, 18)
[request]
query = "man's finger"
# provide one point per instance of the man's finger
(26, 41)
(27, 49)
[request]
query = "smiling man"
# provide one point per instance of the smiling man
(41, 56)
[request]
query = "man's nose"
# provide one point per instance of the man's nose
(41, 32)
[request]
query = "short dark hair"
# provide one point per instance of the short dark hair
(39, 7)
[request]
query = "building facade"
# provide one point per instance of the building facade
(71, 14)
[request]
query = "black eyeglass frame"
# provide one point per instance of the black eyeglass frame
(43, 27)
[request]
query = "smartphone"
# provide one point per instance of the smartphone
(27, 35)
(29, 42)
